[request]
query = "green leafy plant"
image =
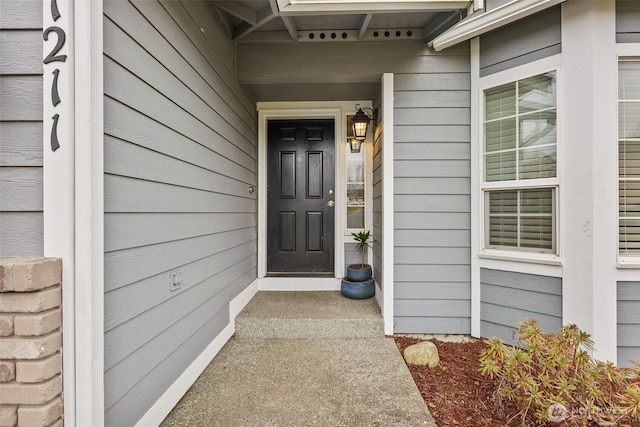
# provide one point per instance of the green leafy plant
(551, 377)
(362, 239)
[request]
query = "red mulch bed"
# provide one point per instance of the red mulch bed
(456, 393)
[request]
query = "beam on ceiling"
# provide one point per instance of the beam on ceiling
(327, 7)
(239, 11)
(364, 24)
(263, 16)
(439, 24)
(274, 7)
(226, 21)
(291, 26)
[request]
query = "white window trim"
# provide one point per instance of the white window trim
(521, 253)
(549, 64)
(626, 52)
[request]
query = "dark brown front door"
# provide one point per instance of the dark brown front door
(300, 211)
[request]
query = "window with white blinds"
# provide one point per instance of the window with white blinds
(629, 157)
(519, 157)
(521, 218)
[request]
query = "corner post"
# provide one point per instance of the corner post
(89, 212)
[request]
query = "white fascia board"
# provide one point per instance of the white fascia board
(481, 23)
(329, 7)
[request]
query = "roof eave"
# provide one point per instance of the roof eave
(480, 23)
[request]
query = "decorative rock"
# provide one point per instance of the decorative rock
(422, 353)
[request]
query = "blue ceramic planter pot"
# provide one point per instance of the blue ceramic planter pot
(356, 273)
(358, 290)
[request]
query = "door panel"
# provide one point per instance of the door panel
(314, 175)
(287, 231)
(314, 231)
(300, 212)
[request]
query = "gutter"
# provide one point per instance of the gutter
(480, 23)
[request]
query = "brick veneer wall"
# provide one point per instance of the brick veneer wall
(30, 342)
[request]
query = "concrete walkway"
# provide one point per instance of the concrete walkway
(305, 359)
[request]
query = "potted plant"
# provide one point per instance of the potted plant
(360, 272)
(358, 284)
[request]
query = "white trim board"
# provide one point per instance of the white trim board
(476, 168)
(158, 412)
(298, 284)
(388, 227)
(73, 200)
(58, 187)
(590, 163)
(628, 50)
(89, 212)
(174, 393)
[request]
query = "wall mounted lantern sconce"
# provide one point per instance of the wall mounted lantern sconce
(360, 121)
(355, 145)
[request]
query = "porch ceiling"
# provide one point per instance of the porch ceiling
(286, 23)
(338, 20)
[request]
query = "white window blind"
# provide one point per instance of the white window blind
(520, 149)
(629, 157)
(521, 218)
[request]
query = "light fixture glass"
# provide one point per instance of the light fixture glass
(355, 145)
(360, 122)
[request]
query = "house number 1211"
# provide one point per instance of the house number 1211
(54, 57)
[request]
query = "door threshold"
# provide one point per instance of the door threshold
(302, 274)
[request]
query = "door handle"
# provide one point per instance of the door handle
(331, 203)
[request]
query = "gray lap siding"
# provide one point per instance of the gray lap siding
(432, 197)
(21, 97)
(180, 152)
(628, 322)
(507, 298)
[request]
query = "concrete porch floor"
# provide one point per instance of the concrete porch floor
(305, 359)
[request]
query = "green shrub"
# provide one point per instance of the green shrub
(553, 378)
